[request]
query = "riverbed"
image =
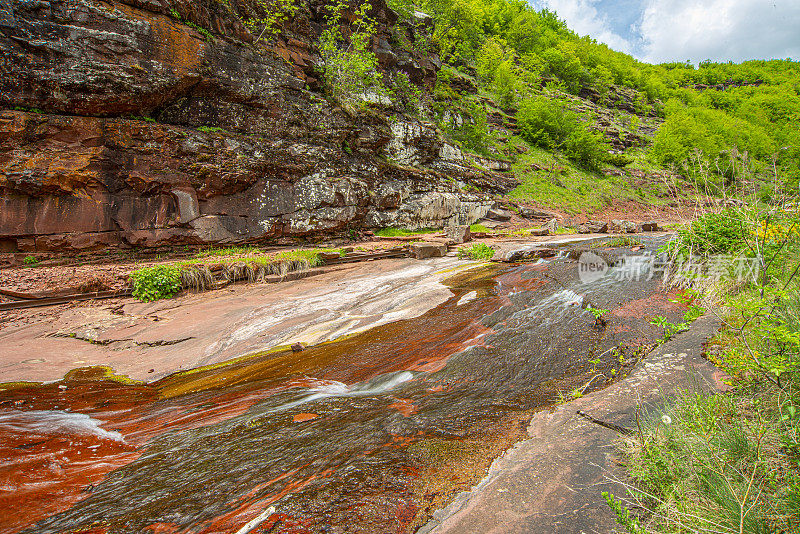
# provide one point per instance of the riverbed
(379, 421)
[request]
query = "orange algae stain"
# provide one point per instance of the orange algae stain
(655, 304)
(45, 473)
(177, 48)
(404, 406)
(300, 417)
(162, 528)
(42, 475)
(246, 512)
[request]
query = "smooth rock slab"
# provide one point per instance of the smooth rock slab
(552, 482)
(526, 254)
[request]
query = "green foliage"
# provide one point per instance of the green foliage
(270, 16)
(670, 329)
(209, 129)
(310, 258)
(701, 467)
(712, 233)
(505, 85)
(623, 514)
(30, 260)
(598, 313)
(468, 126)
(349, 67)
(476, 251)
(202, 31)
(229, 251)
(157, 282)
(406, 93)
(546, 123)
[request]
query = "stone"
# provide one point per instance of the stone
(621, 226)
(553, 225)
(535, 213)
(525, 254)
(425, 249)
(499, 214)
(539, 231)
(188, 208)
(298, 347)
(650, 226)
(597, 227)
(459, 234)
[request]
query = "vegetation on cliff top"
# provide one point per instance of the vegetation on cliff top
(514, 78)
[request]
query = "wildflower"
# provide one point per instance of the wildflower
(667, 420)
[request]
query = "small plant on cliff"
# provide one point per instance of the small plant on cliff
(30, 260)
(406, 93)
(349, 67)
(272, 15)
(157, 282)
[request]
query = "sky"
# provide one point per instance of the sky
(678, 30)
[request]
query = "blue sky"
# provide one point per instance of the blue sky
(679, 30)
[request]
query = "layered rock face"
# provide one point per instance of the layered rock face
(153, 122)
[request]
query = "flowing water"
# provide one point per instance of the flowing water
(370, 433)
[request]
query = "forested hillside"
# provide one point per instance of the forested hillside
(507, 63)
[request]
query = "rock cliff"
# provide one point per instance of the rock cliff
(156, 122)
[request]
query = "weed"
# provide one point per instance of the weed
(616, 242)
(30, 260)
(402, 232)
(157, 282)
(480, 228)
(477, 251)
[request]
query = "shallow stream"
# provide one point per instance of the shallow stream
(370, 433)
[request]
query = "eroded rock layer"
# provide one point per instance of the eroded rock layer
(145, 123)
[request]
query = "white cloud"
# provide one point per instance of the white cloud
(677, 30)
(720, 30)
(583, 18)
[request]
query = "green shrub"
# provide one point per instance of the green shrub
(157, 282)
(349, 67)
(713, 233)
(477, 251)
(30, 260)
(406, 93)
(546, 123)
(271, 16)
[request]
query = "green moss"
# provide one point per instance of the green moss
(402, 232)
(230, 251)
